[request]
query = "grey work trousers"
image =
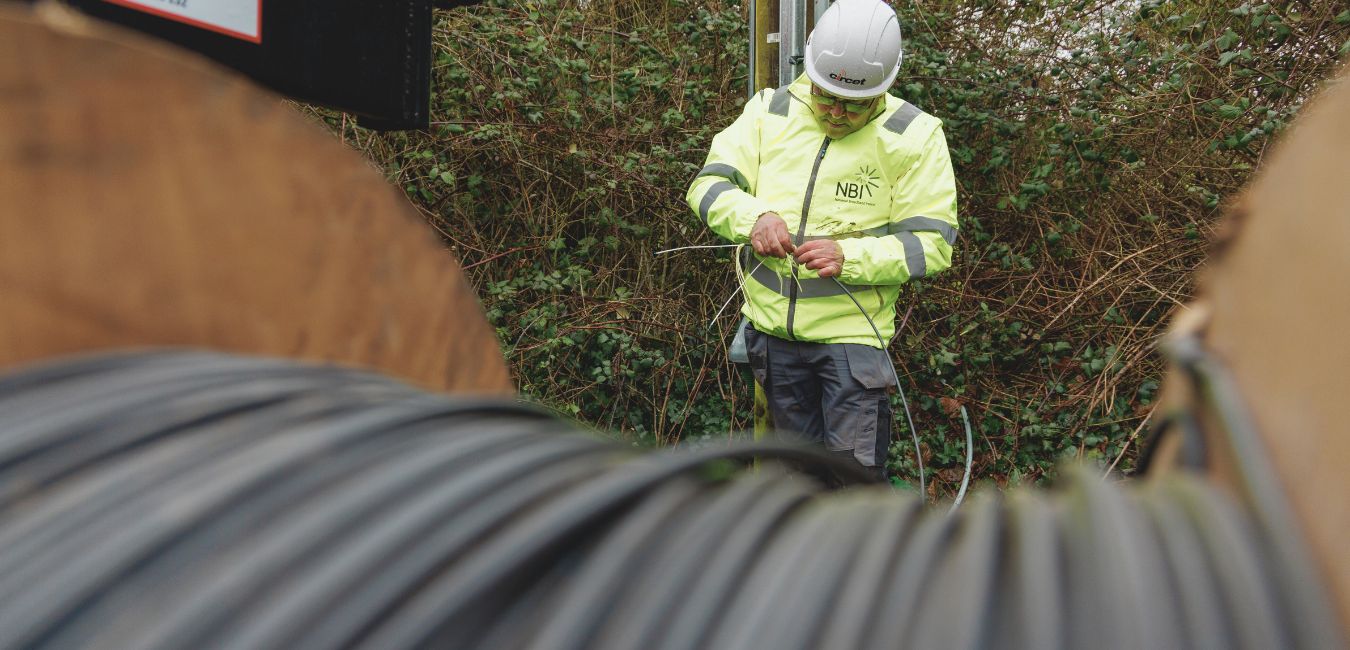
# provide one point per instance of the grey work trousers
(832, 394)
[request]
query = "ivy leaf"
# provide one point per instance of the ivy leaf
(1227, 57)
(1226, 41)
(1229, 111)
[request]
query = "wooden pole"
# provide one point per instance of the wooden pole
(764, 67)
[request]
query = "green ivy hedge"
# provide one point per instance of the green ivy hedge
(1095, 144)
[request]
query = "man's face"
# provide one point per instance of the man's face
(840, 117)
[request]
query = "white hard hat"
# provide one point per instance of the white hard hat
(854, 51)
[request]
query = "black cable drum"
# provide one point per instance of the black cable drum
(183, 499)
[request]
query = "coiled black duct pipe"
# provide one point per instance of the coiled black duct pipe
(175, 499)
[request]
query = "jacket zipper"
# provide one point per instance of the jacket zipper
(801, 233)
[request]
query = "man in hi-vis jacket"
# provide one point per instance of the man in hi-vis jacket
(844, 193)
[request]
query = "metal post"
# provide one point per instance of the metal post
(792, 37)
(754, 53)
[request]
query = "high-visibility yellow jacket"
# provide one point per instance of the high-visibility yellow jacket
(886, 193)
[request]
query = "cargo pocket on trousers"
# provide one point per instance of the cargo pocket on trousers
(869, 365)
(757, 350)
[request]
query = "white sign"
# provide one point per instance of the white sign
(237, 18)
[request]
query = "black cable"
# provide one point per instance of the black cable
(580, 607)
(1236, 565)
(441, 612)
(802, 539)
(1030, 592)
(684, 539)
(232, 473)
(796, 609)
(179, 499)
(310, 543)
(858, 605)
(1196, 592)
(355, 587)
(1102, 524)
(915, 561)
(969, 569)
(711, 595)
(1308, 605)
(233, 530)
(161, 516)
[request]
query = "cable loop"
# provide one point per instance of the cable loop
(172, 499)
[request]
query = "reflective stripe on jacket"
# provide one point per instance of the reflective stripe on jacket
(886, 193)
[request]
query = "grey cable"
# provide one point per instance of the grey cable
(965, 477)
(913, 432)
(346, 510)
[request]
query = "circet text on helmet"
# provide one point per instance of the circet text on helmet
(840, 77)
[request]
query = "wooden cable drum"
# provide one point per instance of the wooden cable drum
(151, 198)
(154, 200)
(1273, 306)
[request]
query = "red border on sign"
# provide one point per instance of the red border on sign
(133, 4)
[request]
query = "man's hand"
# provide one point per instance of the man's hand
(770, 236)
(824, 256)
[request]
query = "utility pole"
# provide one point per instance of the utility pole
(763, 55)
(778, 30)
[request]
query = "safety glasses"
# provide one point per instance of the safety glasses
(850, 105)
